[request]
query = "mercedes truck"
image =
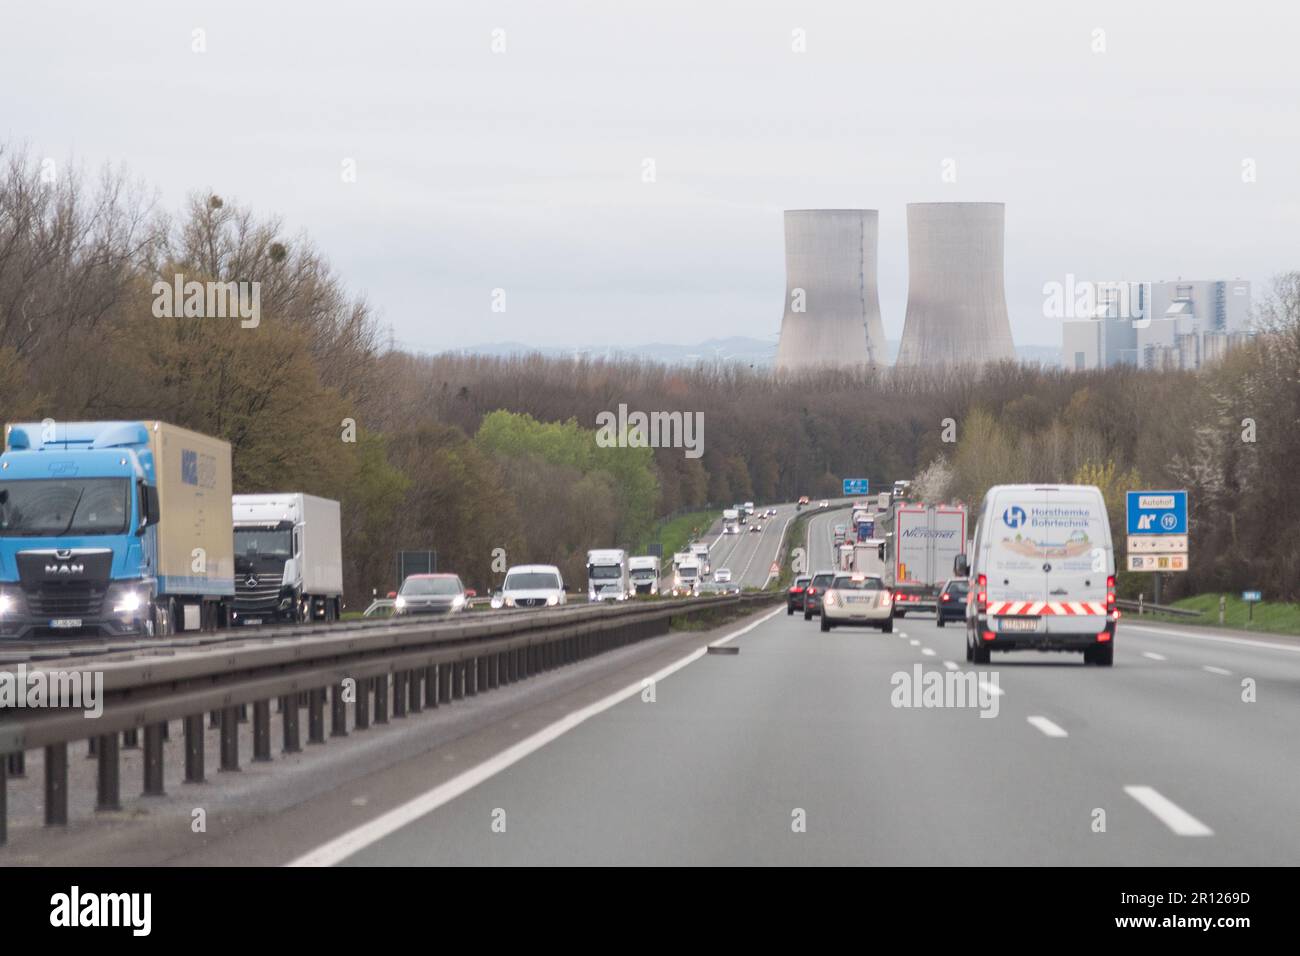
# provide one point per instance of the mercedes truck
(288, 559)
(607, 575)
(113, 529)
(643, 569)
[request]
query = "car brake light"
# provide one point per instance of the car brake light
(812, 590)
(982, 596)
(945, 596)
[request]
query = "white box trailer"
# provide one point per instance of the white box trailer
(926, 540)
(288, 556)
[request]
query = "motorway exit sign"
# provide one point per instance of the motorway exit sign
(856, 486)
(1157, 512)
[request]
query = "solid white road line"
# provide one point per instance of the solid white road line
(927, 652)
(1216, 670)
(991, 688)
(1169, 813)
(1294, 648)
(1047, 727)
(1154, 656)
(358, 839)
(951, 665)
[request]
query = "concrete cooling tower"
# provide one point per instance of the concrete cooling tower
(832, 310)
(956, 296)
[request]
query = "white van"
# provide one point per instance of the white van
(1042, 573)
(531, 585)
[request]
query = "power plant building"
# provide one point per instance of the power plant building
(832, 307)
(956, 291)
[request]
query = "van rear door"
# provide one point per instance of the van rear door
(1077, 558)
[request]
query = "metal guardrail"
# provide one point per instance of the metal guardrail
(1142, 607)
(394, 668)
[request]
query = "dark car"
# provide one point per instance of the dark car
(952, 601)
(794, 596)
(812, 596)
(431, 594)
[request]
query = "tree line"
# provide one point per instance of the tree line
(487, 459)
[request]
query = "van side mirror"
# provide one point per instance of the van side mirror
(960, 566)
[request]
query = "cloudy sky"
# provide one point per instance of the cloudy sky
(523, 169)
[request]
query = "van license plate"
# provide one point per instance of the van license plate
(66, 622)
(1017, 624)
(252, 620)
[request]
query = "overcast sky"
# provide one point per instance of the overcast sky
(523, 170)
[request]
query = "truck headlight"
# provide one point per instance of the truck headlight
(128, 602)
(552, 601)
(6, 603)
(497, 603)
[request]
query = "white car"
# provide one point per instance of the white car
(823, 503)
(858, 599)
(722, 576)
(531, 585)
(755, 528)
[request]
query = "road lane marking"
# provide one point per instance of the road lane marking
(1294, 648)
(951, 665)
(1154, 656)
(991, 688)
(357, 839)
(927, 652)
(1047, 727)
(1216, 670)
(1167, 812)
(914, 642)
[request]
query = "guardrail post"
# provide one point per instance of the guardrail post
(415, 703)
(493, 671)
(362, 707)
(381, 699)
(457, 680)
(230, 739)
(445, 673)
(153, 760)
(17, 764)
(92, 747)
(214, 719)
(261, 731)
(4, 798)
(338, 712)
(289, 724)
(130, 739)
(56, 785)
(431, 686)
(194, 748)
(108, 795)
(316, 715)
(475, 678)
(400, 693)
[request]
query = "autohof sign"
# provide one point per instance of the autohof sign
(1157, 531)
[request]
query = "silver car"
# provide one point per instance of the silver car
(430, 594)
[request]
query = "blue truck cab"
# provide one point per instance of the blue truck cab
(86, 537)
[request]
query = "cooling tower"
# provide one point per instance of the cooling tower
(956, 297)
(832, 311)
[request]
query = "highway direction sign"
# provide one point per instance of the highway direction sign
(1157, 512)
(856, 486)
(1157, 544)
(1157, 562)
(1252, 596)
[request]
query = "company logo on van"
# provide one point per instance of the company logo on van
(1014, 516)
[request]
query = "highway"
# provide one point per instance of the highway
(793, 750)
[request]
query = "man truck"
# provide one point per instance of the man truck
(288, 559)
(113, 529)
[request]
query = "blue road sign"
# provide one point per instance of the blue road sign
(1252, 595)
(1157, 512)
(856, 486)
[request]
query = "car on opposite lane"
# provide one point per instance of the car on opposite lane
(858, 599)
(722, 576)
(430, 594)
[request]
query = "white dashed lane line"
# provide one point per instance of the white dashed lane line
(989, 688)
(951, 665)
(1216, 670)
(927, 652)
(1048, 728)
(1167, 812)
(1154, 656)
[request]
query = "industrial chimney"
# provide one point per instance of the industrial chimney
(956, 297)
(832, 310)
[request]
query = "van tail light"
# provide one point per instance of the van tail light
(982, 597)
(886, 598)
(1110, 595)
(990, 636)
(1103, 637)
